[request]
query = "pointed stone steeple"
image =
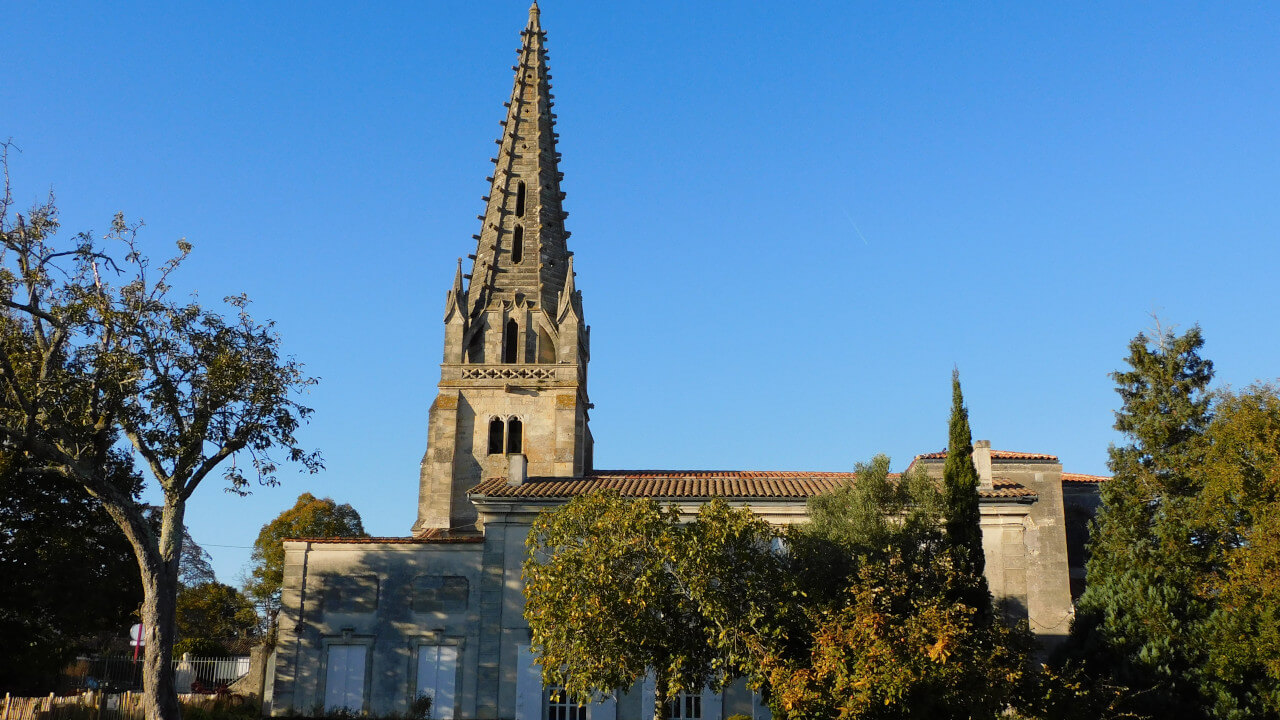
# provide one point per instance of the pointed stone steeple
(513, 384)
(456, 300)
(521, 251)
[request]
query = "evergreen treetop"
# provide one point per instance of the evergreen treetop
(1141, 619)
(960, 481)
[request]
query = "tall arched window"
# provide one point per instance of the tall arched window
(517, 244)
(514, 436)
(496, 429)
(520, 199)
(510, 338)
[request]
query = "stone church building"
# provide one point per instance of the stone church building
(371, 624)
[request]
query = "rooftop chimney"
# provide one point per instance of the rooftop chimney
(982, 462)
(519, 469)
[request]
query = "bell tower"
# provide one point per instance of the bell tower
(513, 380)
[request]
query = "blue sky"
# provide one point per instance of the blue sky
(790, 220)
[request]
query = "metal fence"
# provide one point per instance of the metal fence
(122, 673)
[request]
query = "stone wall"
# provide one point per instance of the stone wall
(389, 597)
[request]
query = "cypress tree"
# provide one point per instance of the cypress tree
(960, 481)
(1140, 619)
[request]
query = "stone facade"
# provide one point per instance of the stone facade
(372, 624)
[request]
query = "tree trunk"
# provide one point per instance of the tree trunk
(659, 695)
(159, 612)
(159, 608)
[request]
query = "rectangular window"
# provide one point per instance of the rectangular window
(560, 707)
(344, 678)
(685, 706)
(438, 678)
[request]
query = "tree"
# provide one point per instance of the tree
(214, 619)
(67, 574)
(854, 614)
(195, 566)
(1140, 620)
(604, 604)
(731, 566)
(309, 517)
(893, 631)
(86, 362)
(1239, 511)
(960, 492)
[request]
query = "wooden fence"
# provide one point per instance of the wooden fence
(92, 706)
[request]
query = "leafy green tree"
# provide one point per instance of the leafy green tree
(310, 517)
(731, 565)
(604, 603)
(1239, 511)
(854, 614)
(214, 619)
(890, 632)
(858, 522)
(95, 352)
(68, 575)
(1140, 620)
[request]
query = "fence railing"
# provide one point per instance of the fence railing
(97, 706)
(122, 673)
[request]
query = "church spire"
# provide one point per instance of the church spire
(521, 252)
(513, 380)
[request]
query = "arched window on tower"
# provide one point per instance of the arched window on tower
(517, 244)
(520, 199)
(496, 428)
(514, 436)
(510, 339)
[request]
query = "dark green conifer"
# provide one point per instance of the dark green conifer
(960, 495)
(1141, 618)
(960, 479)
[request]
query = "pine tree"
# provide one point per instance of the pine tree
(960, 480)
(1140, 616)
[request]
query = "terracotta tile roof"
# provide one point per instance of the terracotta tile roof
(995, 455)
(1084, 479)
(427, 540)
(695, 484)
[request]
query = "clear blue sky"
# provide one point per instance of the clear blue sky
(791, 220)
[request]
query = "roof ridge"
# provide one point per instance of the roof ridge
(799, 487)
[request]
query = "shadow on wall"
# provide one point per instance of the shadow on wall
(378, 628)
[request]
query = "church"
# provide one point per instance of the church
(371, 624)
